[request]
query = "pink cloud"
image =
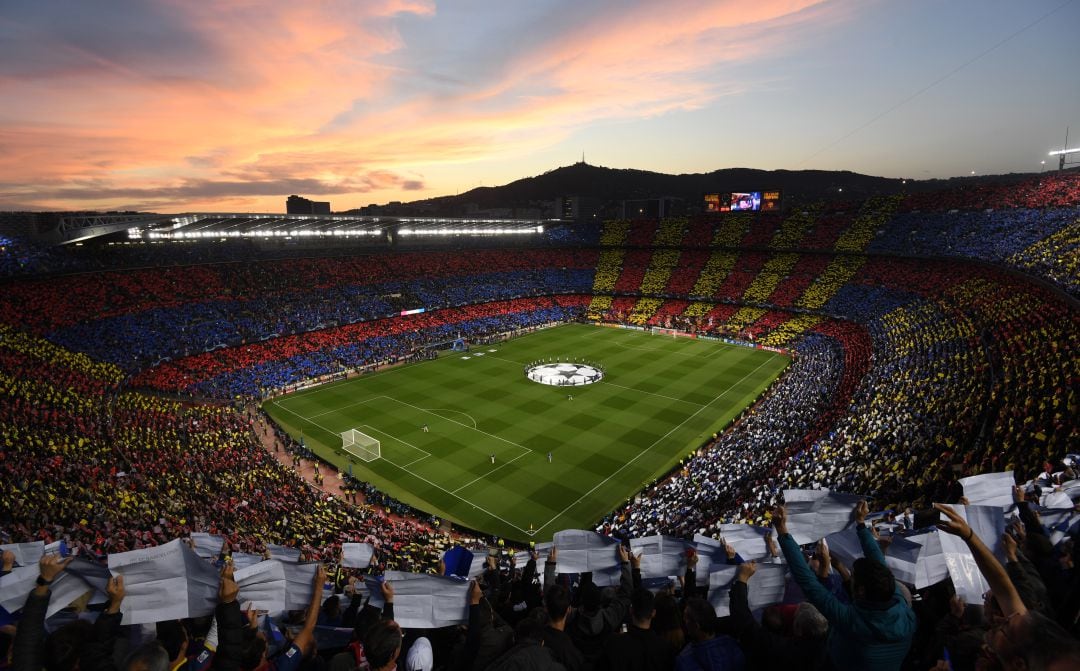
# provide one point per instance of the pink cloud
(261, 110)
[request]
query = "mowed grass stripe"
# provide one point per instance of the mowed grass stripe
(662, 398)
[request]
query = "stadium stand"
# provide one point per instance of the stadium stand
(930, 345)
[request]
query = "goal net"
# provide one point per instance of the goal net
(361, 445)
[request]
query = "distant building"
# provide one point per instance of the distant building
(300, 205)
(578, 208)
(653, 208)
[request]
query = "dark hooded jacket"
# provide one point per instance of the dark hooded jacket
(862, 635)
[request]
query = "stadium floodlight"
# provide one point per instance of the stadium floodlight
(1062, 153)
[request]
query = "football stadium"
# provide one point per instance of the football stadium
(663, 381)
(589, 420)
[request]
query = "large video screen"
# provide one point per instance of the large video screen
(746, 201)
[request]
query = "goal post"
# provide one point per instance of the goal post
(359, 444)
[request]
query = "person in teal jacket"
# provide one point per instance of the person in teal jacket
(874, 632)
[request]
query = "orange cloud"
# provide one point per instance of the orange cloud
(308, 96)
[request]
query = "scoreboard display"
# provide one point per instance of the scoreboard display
(743, 201)
(746, 201)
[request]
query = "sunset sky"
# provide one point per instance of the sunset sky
(232, 105)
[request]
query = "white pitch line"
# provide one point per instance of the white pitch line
(441, 488)
(393, 437)
(646, 450)
(350, 405)
(293, 412)
(456, 412)
(414, 461)
(650, 393)
(490, 435)
(489, 473)
(363, 376)
(417, 475)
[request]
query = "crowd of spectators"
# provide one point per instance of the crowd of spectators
(120, 317)
(258, 369)
(834, 611)
(1041, 241)
(909, 374)
(723, 480)
(934, 366)
(21, 257)
(1059, 189)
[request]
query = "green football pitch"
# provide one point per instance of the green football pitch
(660, 399)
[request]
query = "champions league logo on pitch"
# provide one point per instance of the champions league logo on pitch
(564, 374)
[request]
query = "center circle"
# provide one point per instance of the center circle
(564, 374)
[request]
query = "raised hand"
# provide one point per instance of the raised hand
(860, 512)
(227, 589)
(955, 524)
(51, 566)
(779, 519)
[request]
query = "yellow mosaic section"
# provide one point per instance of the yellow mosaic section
(790, 330)
(776, 268)
(916, 327)
(745, 316)
(794, 227)
(608, 268)
(43, 394)
(837, 273)
(698, 309)
(615, 233)
(47, 352)
(659, 271)
(671, 232)
(713, 274)
(644, 309)
(1056, 256)
(874, 214)
(731, 230)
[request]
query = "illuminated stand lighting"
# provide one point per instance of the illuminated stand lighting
(471, 231)
(1061, 154)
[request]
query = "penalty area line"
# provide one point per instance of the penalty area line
(420, 477)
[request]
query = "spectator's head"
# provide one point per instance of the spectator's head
(531, 628)
(642, 607)
(591, 597)
(557, 603)
(668, 618)
(172, 635)
(368, 617)
(872, 581)
(420, 656)
(331, 608)
(1030, 641)
(382, 644)
(772, 619)
(147, 657)
(700, 619)
(809, 622)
